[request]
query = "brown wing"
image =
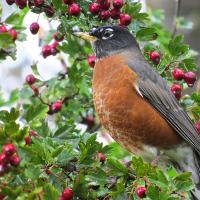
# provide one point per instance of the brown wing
(156, 91)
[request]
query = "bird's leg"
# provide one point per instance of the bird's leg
(155, 161)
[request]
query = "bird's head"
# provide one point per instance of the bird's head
(109, 40)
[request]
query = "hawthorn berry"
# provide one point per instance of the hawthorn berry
(115, 13)
(56, 107)
(35, 90)
(90, 121)
(54, 45)
(27, 140)
(10, 2)
(3, 29)
(33, 133)
(49, 11)
(176, 90)
(67, 194)
(46, 50)
(4, 159)
(105, 4)
(104, 15)
(58, 36)
(68, 2)
(94, 8)
(21, 3)
(34, 28)
(15, 160)
(13, 33)
(141, 192)
(118, 4)
(178, 74)
(91, 60)
(190, 78)
(74, 9)
(101, 157)
(9, 149)
(30, 79)
(154, 57)
(39, 3)
(197, 126)
(125, 19)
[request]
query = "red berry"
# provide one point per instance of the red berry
(105, 4)
(176, 90)
(56, 106)
(67, 194)
(9, 149)
(21, 3)
(3, 29)
(94, 8)
(39, 3)
(33, 133)
(2, 196)
(91, 60)
(197, 126)
(104, 15)
(4, 159)
(190, 78)
(30, 79)
(101, 157)
(3, 169)
(46, 50)
(49, 11)
(115, 13)
(74, 9)
(55, 44)
(34, 28)
(178, 74)
(68, 2)
(15, 160)
(28, 140)
(58, 36)
(35, 90)
(141, 192)
(118, 4)
(154, 57)
(10, 2)
(54, 51)
(90, 121)
(125, 19)
(13, 33)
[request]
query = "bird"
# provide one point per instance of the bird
(135, 104)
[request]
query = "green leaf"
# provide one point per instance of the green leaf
(38, 111)
(116, 166)
(50, 192)
(146, 34)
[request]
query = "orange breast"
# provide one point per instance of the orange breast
(130, 120)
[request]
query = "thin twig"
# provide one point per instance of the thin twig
(177, 14)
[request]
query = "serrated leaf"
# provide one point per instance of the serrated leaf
(50, 192)
(146, 34)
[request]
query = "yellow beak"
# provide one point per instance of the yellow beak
(85, 36)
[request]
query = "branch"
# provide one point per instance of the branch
(177, 14)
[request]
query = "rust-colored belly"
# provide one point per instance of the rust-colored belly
(130, 120)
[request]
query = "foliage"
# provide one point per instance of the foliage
(60, 155)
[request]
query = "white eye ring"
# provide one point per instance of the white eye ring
(109, 33)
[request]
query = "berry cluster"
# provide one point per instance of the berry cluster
(102, 8)
(67, 194)
(8, 158)
(30, 80)
(188, 77)
(12, 32)
(41, 4)
(48, 50)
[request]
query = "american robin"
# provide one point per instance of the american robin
(135, 104)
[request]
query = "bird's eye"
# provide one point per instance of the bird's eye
(107, 34)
